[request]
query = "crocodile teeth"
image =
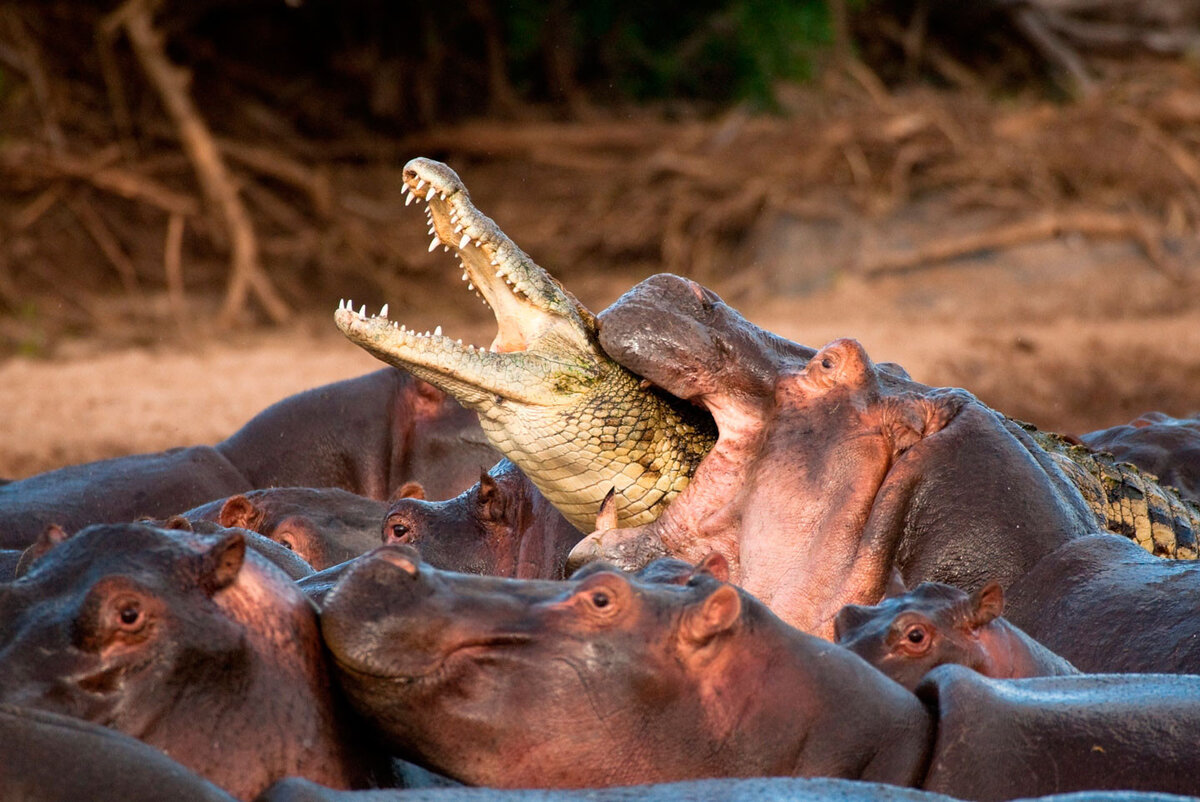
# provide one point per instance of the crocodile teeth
(470, 286)
(383, 312)
(431, 229)
(421, 183)
(464, 242)
(363, 312)
(464, 275)
(458, 228)
(436, 242)
(409, 198)
(437, 332)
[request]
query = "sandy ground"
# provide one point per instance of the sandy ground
(1070, 336)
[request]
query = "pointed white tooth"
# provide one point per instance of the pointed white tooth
(470, 286)
(408, 199)
(443, 196)
(437, 332)
(395, 325)
(430, 231)
(495, 261)
(460, 342)
(464, 242)
(363, 312)
(436, 242)
(464, 275)
(445, 249)
(383, 312)
(341, 304)
(470, 348)
(402, 327)
(458, 228)
(350, 304)
(421, 183)
(426, 333)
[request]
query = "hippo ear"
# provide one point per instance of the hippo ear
(895, 586)
(491, 499)
(606, 518)
(848, 619)
(716, 614)
(240, 512)
(177, 523)
(987, 604)
(409, 490)
(220, 564)
(50, 537)
(715, 565)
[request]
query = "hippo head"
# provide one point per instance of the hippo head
(185, 641)
(93, 635)
(324, 526)
(829, 469)
(906, 636)
(502, 526)
(507, 682)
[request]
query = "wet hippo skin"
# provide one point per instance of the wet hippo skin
(606, 680)
(53, 758)
(911, 632)
(503, 526)
(830, 470)
(190, 643)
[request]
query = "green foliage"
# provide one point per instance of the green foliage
(715, 50)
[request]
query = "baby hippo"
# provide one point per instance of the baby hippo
(907, 635)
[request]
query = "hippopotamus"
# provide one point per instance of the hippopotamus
(1165, 446)
(8, 563)
(491, 681)
(830, 470)
(190, 643)
(908, 634)
(115, 490)
(55, 758)
(502, 526)
(368, 435)
(506, 682)
(324, 526)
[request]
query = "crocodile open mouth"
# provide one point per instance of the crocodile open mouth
(527, 303)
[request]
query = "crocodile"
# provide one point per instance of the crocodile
(548, 397)
(579, 424)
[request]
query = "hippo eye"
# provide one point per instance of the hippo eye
(130, 614)
(915, 635)
(287, 544)
(600, 599)
(827, 363)
(399, 531)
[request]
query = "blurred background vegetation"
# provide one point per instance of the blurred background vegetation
(165, 164)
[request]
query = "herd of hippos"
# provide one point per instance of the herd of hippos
(708, 563)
